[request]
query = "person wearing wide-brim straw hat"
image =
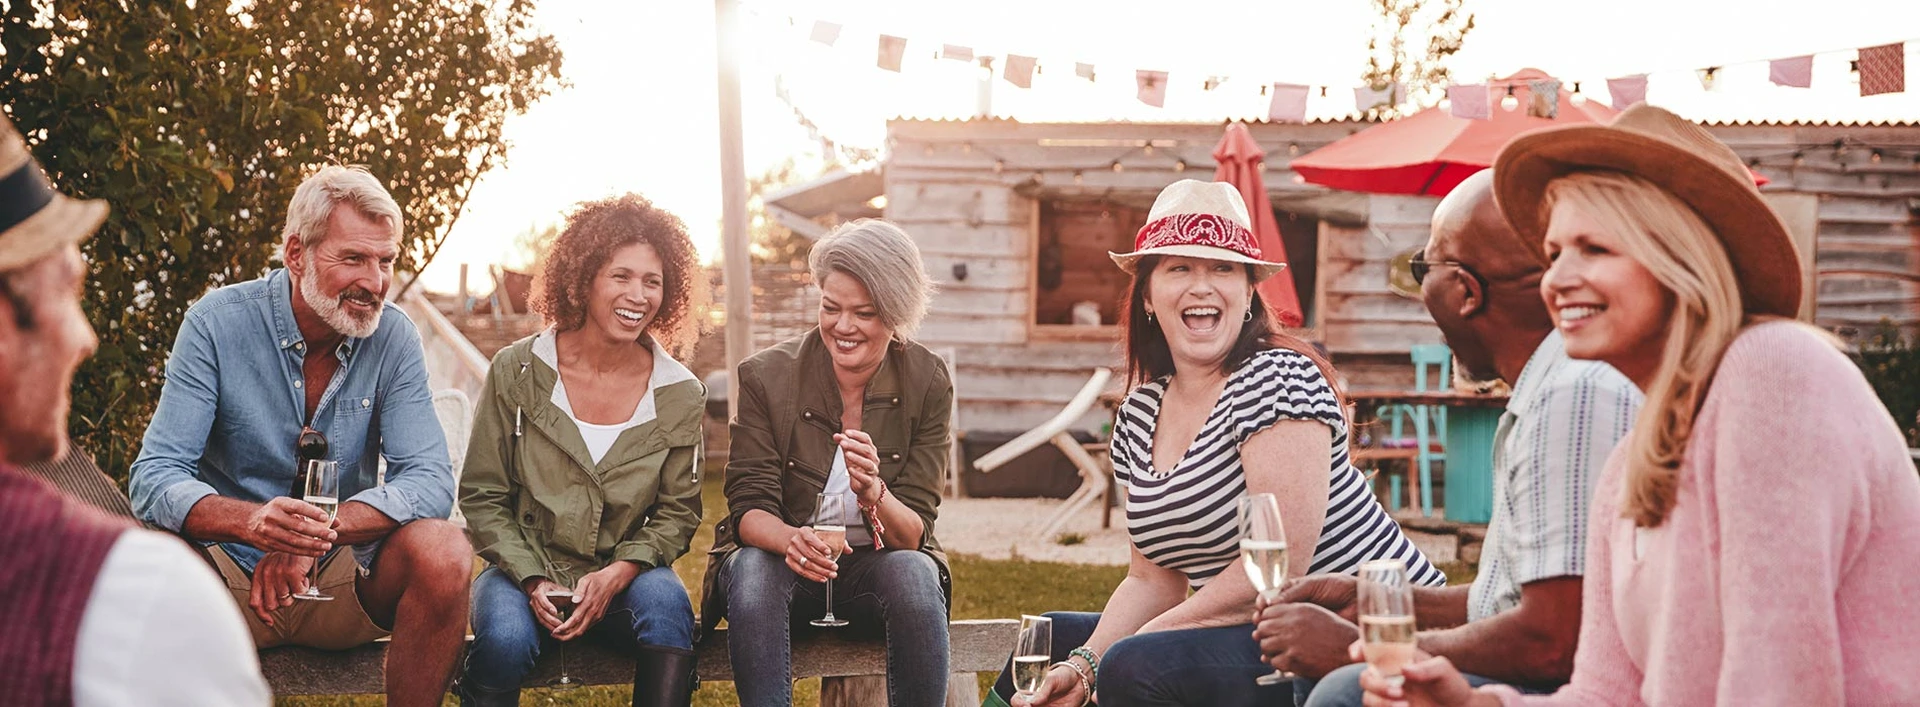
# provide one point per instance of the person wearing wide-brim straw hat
(98, 611)
(1761, 520)
(1227, 408)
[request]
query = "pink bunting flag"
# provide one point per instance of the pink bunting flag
(1796, 72)
(1019, 70)
(1083, 70)
(1883, 69)
(1152, 87)
(891, 50)
(1628, 90)
(956, 52)
(1469, 101)
(825, 32)
(1367, 98)
(1543, 98)
(1289, 104)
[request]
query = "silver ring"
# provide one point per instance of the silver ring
(803, 562)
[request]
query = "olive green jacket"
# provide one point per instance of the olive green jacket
(782, 447)
(537, 505)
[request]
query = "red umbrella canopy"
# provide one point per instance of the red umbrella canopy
(1431, 152)
(1242, 163)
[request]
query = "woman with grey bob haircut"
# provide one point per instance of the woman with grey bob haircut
(884, 258)
(834, 468)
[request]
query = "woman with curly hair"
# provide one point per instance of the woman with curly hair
(581, 484)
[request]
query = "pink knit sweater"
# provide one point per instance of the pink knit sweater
(1789, 568)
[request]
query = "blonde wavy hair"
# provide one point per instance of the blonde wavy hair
(1671, 241)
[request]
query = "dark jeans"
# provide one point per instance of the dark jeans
(1202, 667)
(895, 593)
(1341, 688)
(507, 640)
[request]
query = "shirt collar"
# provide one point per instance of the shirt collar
(1546, 357)
(666, 370)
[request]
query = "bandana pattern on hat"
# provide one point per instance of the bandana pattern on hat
(1198, 229)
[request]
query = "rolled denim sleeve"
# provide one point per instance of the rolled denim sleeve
(165, 483)
(419, 473)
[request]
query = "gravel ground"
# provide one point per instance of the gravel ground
(1004, 528)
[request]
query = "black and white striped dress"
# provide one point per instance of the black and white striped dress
(1187, 519)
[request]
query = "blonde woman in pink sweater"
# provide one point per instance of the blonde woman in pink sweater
(1756, 538)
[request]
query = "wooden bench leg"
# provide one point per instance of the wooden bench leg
(963, 690)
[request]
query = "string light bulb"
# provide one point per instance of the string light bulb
(1117, 167)
(999, 166)
(1293, 149)
(1181, 165)
(1578, 98)
(1874, 157)
(1147, 149)
(1508, 102)
(1078, 178)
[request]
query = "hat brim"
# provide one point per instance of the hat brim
(1261, 269)
(62, 222)
(1764, 258)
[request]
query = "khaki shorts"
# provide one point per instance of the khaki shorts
(328, 625)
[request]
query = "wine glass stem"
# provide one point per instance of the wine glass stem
(829, 616)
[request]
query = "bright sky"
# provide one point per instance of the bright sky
(640, 113)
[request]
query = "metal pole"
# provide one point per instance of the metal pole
(733, 200)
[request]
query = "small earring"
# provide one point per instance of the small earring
(1249, 316)
(1149, 316)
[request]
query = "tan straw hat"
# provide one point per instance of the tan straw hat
(1678, 156)
(35, 220)
(1199, 220)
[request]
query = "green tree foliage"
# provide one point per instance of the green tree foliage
(195, 120)
(1411, 42)
(772, 243)
(1891, 361)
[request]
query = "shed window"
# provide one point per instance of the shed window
(1075, 283)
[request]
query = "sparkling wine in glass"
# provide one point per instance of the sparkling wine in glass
(323, 491)
(562, 601)
(1263, 553)
(830, 523)
(1386, 617)
(1032, 653)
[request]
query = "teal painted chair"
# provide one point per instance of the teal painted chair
(1429, 423)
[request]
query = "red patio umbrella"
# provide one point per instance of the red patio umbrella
(1241, 163)
(1431, 152)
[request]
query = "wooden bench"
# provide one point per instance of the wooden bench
(852, 669)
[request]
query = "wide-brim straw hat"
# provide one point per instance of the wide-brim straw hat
(36, 220)
(1199, 219)
(1678, 156)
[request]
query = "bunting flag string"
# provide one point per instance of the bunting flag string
(1879, 69)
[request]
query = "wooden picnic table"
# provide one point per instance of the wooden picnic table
(1468, 443)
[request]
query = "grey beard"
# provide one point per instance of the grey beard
(330, 310)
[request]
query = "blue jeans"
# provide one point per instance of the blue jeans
(654, 611)
(894, 592)
(1214, 667)
(1341, 688)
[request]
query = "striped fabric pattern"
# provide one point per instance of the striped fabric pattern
(1186, 520)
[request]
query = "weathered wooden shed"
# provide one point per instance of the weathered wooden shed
(1014, 221)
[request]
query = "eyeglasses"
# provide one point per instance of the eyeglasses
(1420, 266)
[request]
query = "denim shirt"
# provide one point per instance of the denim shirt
(234, 401)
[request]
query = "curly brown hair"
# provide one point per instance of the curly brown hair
(594, 231)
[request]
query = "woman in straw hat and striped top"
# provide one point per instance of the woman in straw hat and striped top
(1754, 539)
(1227, 407)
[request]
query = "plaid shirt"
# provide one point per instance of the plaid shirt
(1563, 419)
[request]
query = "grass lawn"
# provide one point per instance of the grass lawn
(982, 589)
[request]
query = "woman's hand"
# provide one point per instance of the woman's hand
(1061, 688)
(863, 465)
(1426, 682)
(543, 610)
(592, 595)
(808, 556)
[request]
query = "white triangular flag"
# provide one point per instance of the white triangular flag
(1367, 98)
(1289, 104)
(1628, 90)
(1469, 101)
(891, 50)
(825, 32)
(1214, 82)
(1152, 87)
(1706, 77)
(1083, 70)
(1019, 70)
(1792, 71)
(956, 52)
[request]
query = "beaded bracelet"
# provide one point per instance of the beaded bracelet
(1093, 661)
(1086, 683)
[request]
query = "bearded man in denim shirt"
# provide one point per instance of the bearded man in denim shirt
(312, 358)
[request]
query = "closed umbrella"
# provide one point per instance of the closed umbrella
(1241, 163)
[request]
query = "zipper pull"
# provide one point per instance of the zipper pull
(516, 421)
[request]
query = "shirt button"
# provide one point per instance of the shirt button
(528, 519)
(283, 342)
(366, 402)
(896, 456)
(807, 415)
(298, 384)
(789, 463)
(896, 400)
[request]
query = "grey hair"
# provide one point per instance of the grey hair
(314, 200)
(885, 259)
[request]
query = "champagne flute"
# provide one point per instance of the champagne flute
(1386, 618)
(323, 491)
(1263, 553)
(830, 523)
(1031, 654)
(562, 600)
